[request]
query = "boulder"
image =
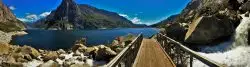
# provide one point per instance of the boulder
(11, 62)
(4, 48)
(61, 51)
(41, 51)
(61, 57)
(104, 53)
(22, 60)
(77, 53)
(245, 7)
(17, 56)
(115, 42)
(82, 49)
(79, 65)
(77, 46)
(67, 63)
(176, 31)
(50, 63)
(31, 51)
(206, 29)
(52, 55)
(27, 57)
(81, 41)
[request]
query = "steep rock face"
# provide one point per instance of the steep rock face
(207, 28)
(176, 31)
(70, 15)
(8, 21)
(223, 12)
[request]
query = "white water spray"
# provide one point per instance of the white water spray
(239, 55)
(241, 34)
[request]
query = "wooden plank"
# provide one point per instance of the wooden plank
(151, 55)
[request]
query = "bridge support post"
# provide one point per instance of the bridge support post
(191, 61)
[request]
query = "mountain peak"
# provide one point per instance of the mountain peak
(70, 15)
(68, 10)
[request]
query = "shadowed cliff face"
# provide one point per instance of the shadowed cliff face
(224, 15)
(68, 11)
(8, 21)
(70, 15)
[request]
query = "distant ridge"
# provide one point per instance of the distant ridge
(70, 15)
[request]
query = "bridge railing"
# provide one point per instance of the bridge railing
(181, 55)
(127, 56)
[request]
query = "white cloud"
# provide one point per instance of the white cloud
(23, 19)
(12, 7)
(124, 15)
(136, 20)
(29, 18)
(44, 14)
(32, 17)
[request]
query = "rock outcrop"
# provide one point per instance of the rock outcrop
(176, 31)
(8, 21)
(207, 28)
(70, 15)
(222, 13)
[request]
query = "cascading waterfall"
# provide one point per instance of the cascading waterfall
(239, 55)
(241, 35)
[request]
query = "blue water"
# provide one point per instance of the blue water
(54, 39)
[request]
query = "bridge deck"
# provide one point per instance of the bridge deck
(151, 55)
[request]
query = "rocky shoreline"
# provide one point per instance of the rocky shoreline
(7, 37)
(78, 56)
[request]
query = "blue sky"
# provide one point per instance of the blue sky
(138, 11)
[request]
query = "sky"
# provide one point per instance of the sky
(138, 11)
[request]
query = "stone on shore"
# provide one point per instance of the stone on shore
(50, 63)
(61, 51)
(4, 37)
(7, 37)
(206, 29)
(31, 51)
(104, 53)
(79, 44)
(12, 64)
(4, 48)
(52, 55)
(79, 65)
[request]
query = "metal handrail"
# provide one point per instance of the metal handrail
(179, 46)
(128, 54)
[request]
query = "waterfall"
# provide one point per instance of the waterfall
(239, 55)
(241, 33)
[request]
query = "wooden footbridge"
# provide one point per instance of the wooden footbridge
(160, 52)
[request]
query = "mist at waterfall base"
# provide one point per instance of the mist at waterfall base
(239, 55)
